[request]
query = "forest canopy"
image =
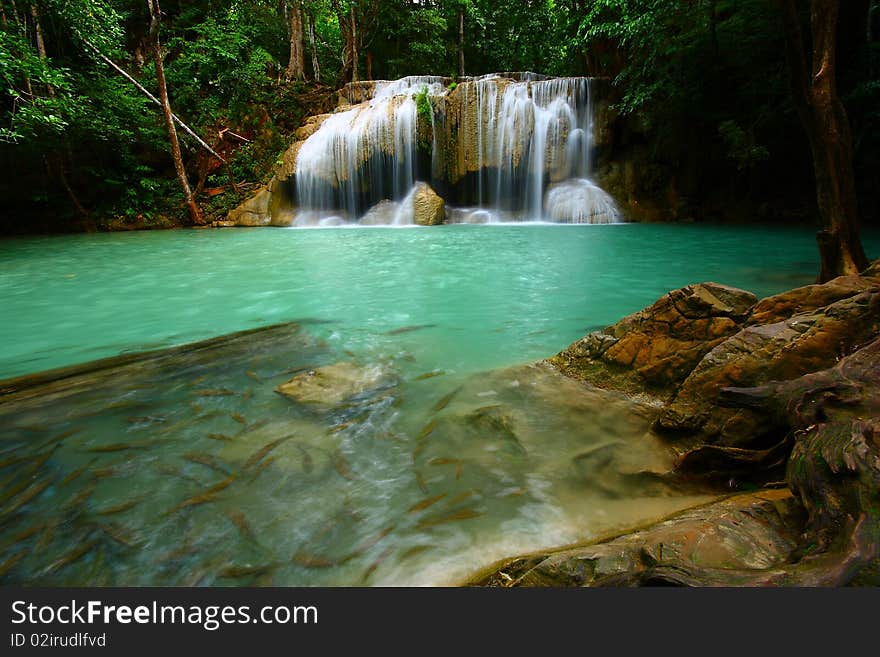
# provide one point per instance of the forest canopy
(706, 81)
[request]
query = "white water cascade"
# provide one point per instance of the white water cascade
(524, 146)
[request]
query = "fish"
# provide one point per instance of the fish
(407, 329)
(219, 436)
(9, 564)
(253, 375)
(119, 508)
(213, 392)
(197, 381)
(336, 428)
(424, 504)
(444, 461)
(419, 449)
(239, 519)
(27, 477)
(263, 465)
(208, 461)
(429, 375)
(378, 562)
(71, 557)
(46, 537)
(12, 448)
(420, 480)
(31, 493)
(428, 429)
(118, 533)
(116, 447)
(261, 453)
(349, 353)
(313, 561)
(308, 462)
(247, 394)
(238, 417)
(66, 434)
(12, 460)
(413, 551)
(203, 497)
(464, 514)
(443, 402)
(461, 497)
(80, 498)
(257, 425)
(146, 419)
(340, 463)
(235, 572)
(40, 459)
(370, 542)
(458, 463)
(25, 534)
(297, 370)
(76, 473)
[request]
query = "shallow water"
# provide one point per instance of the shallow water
(188, 468)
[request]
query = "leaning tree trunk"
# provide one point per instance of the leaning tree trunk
(296, 65)
(825, 122)
(155, 16)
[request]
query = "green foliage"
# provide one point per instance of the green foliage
(741, 147)
(423, 104)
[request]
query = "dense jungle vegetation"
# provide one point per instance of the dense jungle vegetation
(704, 84)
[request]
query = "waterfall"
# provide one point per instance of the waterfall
(524, 146)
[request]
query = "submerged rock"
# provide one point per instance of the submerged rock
(332, 384)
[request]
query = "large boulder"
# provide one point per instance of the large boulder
(759, 354)
(253, 212)
(811, 297)
(428, 208)
(655, 349)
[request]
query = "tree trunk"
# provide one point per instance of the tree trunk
(827, 126)
(461, 43)
(354, 47)
(316, 68)
(296, 65)
(38, 31)
(155, 17)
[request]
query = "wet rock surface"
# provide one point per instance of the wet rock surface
(428, 208)
(655, 349)
(786, 394)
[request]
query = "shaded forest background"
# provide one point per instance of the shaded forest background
(701, 85)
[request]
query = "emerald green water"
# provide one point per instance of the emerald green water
(188, 468)
(497, 295)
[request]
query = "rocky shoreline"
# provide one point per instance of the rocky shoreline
(775, 402)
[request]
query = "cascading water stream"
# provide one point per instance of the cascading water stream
(526, 145)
